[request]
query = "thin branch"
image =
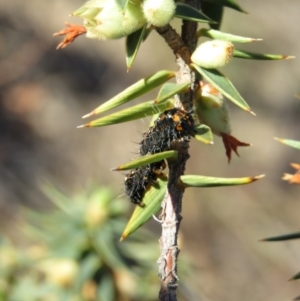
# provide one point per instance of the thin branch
(171, 218)
(182, 47)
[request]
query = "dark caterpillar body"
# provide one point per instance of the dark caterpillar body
(170, 125)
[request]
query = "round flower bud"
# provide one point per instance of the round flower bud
(211, 109)
(103, 19)
(159, 12)
(213, 54)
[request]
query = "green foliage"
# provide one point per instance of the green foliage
(93, 247)
(165, 100)
(72, 252)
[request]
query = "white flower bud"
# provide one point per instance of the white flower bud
(159, 12)
(104, 20)
(212, 109)
(213, 54)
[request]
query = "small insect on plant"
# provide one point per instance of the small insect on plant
(193, 107)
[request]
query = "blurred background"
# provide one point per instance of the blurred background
(44, 92)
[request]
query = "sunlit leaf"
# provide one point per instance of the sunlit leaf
(290, 236)
(224, 85)
(139, 88)
(292, 143)
(204, 134)
(203, 181)
(142, 110)
(152, 204)
(219, 35)
(242, 54)
(133, 43)
(148, 159)
(187, 12)
(170, 89)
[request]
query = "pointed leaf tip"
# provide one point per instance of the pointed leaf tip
(288, 57)
(251, 112)
(141, 110)
(257, 177)
(133, 43)
(203, 181)
(289, 142)
(88, 115)
(295, 277)
(282, 237)
(243, 54)
(219, 35)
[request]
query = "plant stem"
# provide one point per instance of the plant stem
(182, 47)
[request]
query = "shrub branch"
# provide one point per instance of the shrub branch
(182, 47)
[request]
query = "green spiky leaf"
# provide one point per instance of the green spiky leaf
(203, 181)
(148, 159)
(224, 85)
(133, 43)
(290, 236)
(187, 12)
(170, 89)
(152, 204)
(136, 112)
(219, 35)
(141, 87)
(214, 12)
(242, 54)
(204, 134)
(292, 143)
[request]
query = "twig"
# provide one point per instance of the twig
(171, 218)
(182, 47)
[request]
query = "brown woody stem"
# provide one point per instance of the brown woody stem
(182, 47)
